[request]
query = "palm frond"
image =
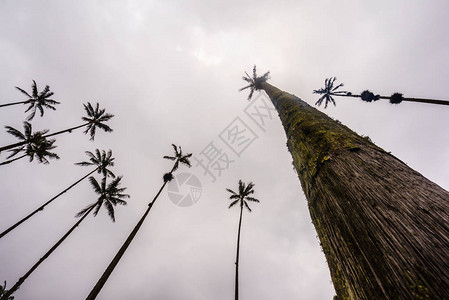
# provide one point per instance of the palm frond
(252, 199)
(24, 92)
(15, 133)
(231, 191)
(247, 206)
(84, 210)
(96, 186)
(233, 203)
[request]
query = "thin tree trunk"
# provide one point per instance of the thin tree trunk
(383, 227)
(44, 136)
(43, 258)
(11, 160)
(66, 130)
(99, 285)
(430, 101)
(14, 103)
(237, 256)
(40, 208)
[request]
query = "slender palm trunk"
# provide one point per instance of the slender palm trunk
(383, 227)
(66, 130)
(97, 288)
(41, 208)
(430, 101)
(44, 136)
(43, 258)
(237, 256)
(14, 103)
(11, 160)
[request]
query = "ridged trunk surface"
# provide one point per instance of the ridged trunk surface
(383, 227)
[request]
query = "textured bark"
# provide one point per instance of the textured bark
(383, 227)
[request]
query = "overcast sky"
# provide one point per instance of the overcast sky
(170, 72)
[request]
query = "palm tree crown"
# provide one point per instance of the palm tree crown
(254, 82)
(243, 195)
(95, 118)
(38, 100)
(328, 91)
(110, 196)
(179, 157)
(101, 160)
(36, 144)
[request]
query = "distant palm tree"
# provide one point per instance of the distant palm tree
(36, 100)
(179, 157)
(101, 161)
(329, 90)
(36, 145)
(95, 118)
(3, 290)
(241, 197)
(109, 196)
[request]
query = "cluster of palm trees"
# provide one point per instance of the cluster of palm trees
(37, 145)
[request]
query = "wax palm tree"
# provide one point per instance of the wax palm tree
(179, 158)
(330, 90)
(382, 226)
(3, 290)
(101, 161)
(95, 119)
(37, 146)
(241, 198)
(109, 196)
(36, 100)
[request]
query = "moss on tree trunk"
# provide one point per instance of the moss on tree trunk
(383, 227)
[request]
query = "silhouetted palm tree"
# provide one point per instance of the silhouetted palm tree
(101, 161)
(109, 196)
(179, 157)
(241, 198)
(95, 118)
(382, 226)
(36, 100)
(37, 146)
(329, 90)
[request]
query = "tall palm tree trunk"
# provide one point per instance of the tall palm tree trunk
(383, 227)
(237, 256)
(44, 136)
(11, 160)
(40, 208)
(99, 285)
(43, 258)
(14, 103)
